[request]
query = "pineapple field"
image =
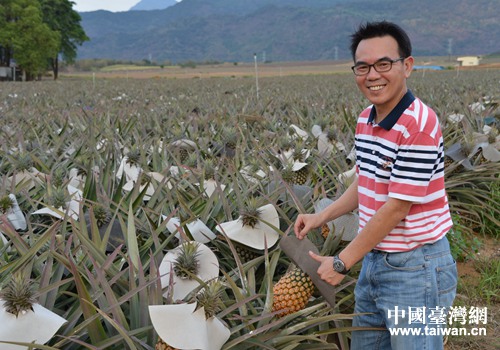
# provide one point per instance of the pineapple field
(147, 214)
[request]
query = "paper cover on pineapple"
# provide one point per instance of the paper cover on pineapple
(37, 326)
(264, 233)
(180, 326)
(15, 215)
(208, 269)
(199, 231)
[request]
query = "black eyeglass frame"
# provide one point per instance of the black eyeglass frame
(384, 60)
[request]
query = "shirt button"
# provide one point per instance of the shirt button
(373, 152)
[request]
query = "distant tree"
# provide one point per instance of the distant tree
(24, 35)
(60, 17)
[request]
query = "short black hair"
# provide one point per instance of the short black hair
(380, 29)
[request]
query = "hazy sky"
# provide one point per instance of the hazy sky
(109, 5)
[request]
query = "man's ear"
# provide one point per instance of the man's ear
(408, 62)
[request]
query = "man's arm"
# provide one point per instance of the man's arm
(345, 204)
(384, 220)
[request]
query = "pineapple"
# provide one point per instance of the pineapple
(298, 177)
(325, 231)
(249, 216)
(161, 345)
(292, 292)
(18, 295)
(245, 253)
(187, 264)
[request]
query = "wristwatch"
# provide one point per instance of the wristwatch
(339, 266)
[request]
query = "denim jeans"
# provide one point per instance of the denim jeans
(410, 290)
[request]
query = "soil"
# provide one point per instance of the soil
(470, 276)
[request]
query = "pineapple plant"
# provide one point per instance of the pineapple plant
(292, 292)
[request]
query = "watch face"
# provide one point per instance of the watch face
(338, 265)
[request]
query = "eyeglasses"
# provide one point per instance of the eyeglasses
(382, 65)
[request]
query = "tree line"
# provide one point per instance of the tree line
(36, 34)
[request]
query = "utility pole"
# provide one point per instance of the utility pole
(256, 75)
(450, 45)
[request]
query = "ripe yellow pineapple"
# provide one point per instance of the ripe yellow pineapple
(292, 292)
(161, 345)
(325, 231)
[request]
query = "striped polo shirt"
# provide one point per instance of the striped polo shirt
(402, 157)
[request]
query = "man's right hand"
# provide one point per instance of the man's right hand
(305, 223)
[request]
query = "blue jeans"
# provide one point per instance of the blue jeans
(411, 290)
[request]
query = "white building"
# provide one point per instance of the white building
(469, 60)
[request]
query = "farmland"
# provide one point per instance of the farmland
(103, 164)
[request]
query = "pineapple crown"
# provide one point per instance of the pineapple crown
(209, 169)
(134, 156)
(331, 135)
(6, 203)
(23, 162)
(210, 298)
(102, 215)
(492, 135)
(18, 295)
(192, 160)
(187, 263)
(250, 214)
(230, 137)
(58, 198)
(145, 178)
(58, 176)
(298, 154)
(288, 174)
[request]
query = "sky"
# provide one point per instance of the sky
(109, 5)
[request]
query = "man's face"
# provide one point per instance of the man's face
(384, 89)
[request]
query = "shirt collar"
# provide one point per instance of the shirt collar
(394, 115)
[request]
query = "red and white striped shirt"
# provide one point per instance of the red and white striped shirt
(403, 157)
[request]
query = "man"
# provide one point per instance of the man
(408, 277)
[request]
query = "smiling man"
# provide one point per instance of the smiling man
(408, 278)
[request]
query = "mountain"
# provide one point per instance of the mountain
(147, 5)
(285, 30)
